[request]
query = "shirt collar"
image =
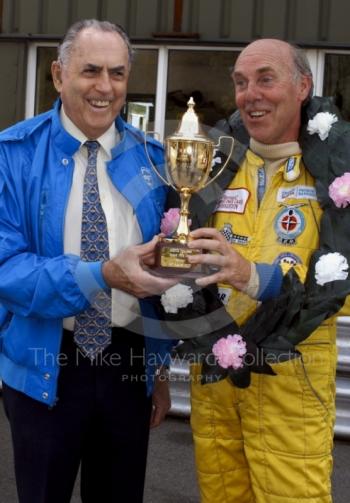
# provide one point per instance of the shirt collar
(108, 140)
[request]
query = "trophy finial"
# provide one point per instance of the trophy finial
(191, 103)
(189, 127)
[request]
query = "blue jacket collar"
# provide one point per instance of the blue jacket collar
(63, 140)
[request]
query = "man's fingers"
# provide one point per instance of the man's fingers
(146, 248)
(147, 285)
(207, 258)
(129, 272)
(157, 285)
(206, 232)
(156, 417)
(209, 280)
(205, 244)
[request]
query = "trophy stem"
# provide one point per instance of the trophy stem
(182, 231)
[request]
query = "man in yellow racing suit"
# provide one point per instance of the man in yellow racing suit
(272, 441)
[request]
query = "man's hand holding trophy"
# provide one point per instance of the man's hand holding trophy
(189, 155)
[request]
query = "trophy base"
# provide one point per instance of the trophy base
(171, 260)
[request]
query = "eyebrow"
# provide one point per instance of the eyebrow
(263, 69)
(90, 66)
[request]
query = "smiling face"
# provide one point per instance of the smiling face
(269, 91)
(93, 82)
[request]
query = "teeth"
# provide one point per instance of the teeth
(257, 114)
(99, 103)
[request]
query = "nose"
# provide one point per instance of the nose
(252, 92)
(103, 83)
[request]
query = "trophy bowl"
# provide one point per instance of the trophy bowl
(189, 156)
(188, 162)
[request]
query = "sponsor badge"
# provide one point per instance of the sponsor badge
(233, 201)
(289, 224)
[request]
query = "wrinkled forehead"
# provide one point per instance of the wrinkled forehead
(90, 38)
(265, 55)
(99, 48)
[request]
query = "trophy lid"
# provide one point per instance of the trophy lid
(189, 127)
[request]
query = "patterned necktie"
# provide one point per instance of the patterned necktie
(92, 331)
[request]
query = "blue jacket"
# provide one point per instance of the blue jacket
(39, 284)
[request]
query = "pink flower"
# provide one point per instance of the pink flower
(170, 221)
(339, 190)
(229, 351)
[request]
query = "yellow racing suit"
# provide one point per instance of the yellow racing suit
(270, 442)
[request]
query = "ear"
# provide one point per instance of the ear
(305, 86)
(56, 72)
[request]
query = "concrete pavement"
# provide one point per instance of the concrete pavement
(170, 472)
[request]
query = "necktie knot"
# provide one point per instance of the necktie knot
(92, 145)
(92, 148)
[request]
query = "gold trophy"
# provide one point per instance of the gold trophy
(189, 156)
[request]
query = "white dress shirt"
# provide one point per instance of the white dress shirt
(122, 225)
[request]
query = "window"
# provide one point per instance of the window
(45, 93)
(336, 81)
(140, 106)
(206, 76)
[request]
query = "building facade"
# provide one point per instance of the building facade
(182, 48)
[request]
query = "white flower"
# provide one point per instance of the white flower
(176, 297)
(331, 267)
(321, 124)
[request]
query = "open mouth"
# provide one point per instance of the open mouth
(100, 104)
(257, 114)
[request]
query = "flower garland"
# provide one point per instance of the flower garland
(229, 351)
(176, 297)
(331, 267)
(170, 221)
(321, 124)
(280, 324)
(339, 190)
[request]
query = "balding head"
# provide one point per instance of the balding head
(280, 48)
(290, 55)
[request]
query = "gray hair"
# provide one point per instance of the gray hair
(302, 67)
(65, 48)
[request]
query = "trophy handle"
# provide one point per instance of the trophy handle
(211, 180)
(154, 133)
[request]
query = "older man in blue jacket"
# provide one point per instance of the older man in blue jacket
(79, 206)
